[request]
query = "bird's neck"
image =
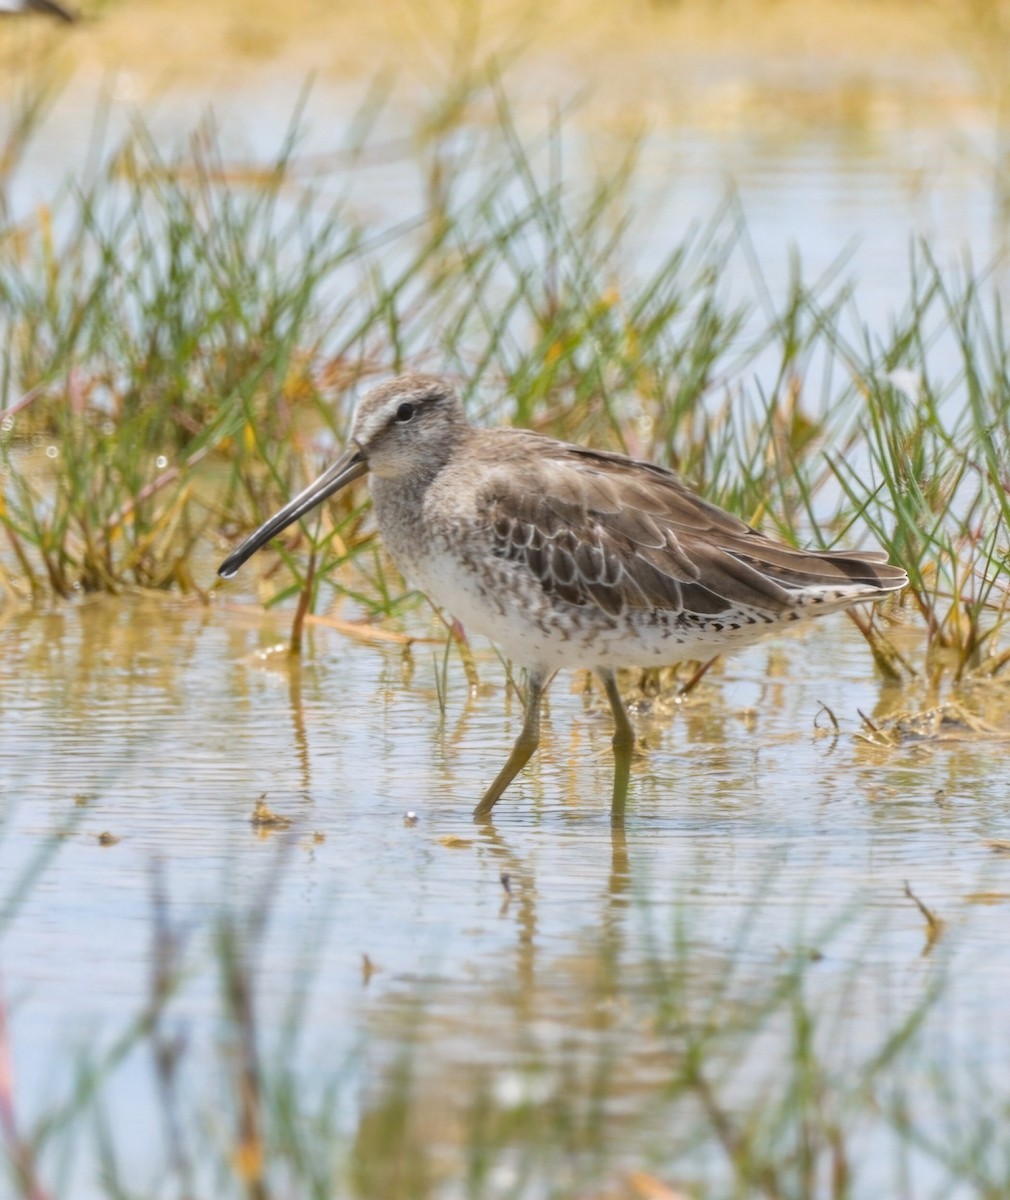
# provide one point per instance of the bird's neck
(404, 491)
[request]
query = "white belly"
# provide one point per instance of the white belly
(538, 631)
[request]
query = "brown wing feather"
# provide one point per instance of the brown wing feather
(604, 530)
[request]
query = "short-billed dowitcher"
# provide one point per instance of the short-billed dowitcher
(568, 557)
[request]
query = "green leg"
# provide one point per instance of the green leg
(624, 743)
(522, 751)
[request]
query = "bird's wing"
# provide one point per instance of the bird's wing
(605, 530)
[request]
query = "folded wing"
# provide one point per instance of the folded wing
(605, 530)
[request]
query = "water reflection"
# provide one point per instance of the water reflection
(749, 838)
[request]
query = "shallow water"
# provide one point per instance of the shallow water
(162, 722)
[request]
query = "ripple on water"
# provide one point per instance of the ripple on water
(161, 724)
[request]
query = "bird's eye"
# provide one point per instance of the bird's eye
(405, 412)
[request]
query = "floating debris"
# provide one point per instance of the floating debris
(934, 924)
(987, 897)
(824, 710)
(107, 839)
(454, 842)
(944, 723)
(264, 817)
(410, 817)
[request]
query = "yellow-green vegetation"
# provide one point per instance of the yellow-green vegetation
(184, 343)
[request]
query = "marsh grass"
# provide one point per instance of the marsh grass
(184, 339)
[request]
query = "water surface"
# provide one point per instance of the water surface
(162, 722)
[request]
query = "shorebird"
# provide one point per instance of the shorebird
(14, 8)
(568, 557)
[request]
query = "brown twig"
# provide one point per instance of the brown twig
(934, 924)
(304, 601)
(697, 677)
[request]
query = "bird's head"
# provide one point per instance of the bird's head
(404, 429)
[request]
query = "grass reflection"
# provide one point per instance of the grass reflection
(656, 1056)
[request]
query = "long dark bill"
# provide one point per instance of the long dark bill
(350, 466)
